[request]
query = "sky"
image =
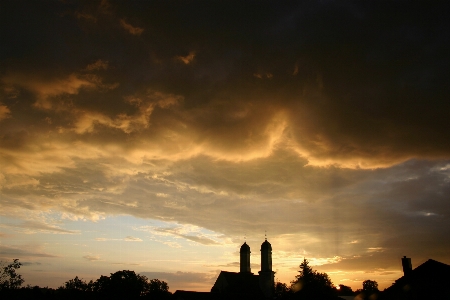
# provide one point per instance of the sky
(158, 136)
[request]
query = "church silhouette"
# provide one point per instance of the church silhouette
(243, 284)
(245, 281)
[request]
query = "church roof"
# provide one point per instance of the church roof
(266, 246)
(231, 282)
(245, 247)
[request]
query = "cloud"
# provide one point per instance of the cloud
(131, 29)
(132, 239)
(45, 90)
(10, 252)
(98, 65)
(32, 227)
(107, 239)
(126, 264)
(302, 123)
(91, 257)
(262, 76)
(334, 113)
(188, 232)
(87, 121)
(127, 239)
(85, 16)
(187, 59)
(4, 112)
(200, 239)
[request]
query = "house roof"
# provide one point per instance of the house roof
(430, 277)
(431, 270)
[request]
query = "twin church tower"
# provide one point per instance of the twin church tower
(245, 284)
(266, 275)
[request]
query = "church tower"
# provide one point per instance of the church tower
(266, 275)
(245, 258)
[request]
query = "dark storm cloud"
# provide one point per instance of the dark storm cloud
(360, 83)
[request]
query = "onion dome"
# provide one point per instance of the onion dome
(266, 246)
(245, 248)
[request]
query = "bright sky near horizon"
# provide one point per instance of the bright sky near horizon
(155, 135)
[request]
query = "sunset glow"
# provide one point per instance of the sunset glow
(154, 136)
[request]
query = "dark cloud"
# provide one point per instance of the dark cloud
(364, 90)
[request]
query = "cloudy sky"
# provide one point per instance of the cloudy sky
(155, 135)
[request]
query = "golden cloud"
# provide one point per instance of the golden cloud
(5, 112)
(97, 65)
(131, 29)
(186, 59)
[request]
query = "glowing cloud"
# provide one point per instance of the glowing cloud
(187, 59)
(4, 112)
(131, 29)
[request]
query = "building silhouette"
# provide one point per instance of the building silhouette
(245, 282)
(430, 280)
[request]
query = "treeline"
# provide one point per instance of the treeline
(120, 285)
(311, 284)
(125, 284)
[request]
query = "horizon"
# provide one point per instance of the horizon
(158, 136)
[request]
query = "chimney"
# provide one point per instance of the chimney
(407, 267)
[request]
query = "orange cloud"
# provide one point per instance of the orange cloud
(263, 75)
(86, 120)
(85, 16)
(47, 90)
(187, 59)
(4, 112)
(131, 29)
(98, 65)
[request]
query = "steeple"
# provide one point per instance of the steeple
(245, 258)
(266, 256)
(266, 275)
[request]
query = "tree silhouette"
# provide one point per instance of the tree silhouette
(9, 279)
(101, 285)
(157, 287)
(281, 291)
(345, 290)
(77, 284)
(369, 290)
(370, 286)
(128, 285)
(310, 283)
